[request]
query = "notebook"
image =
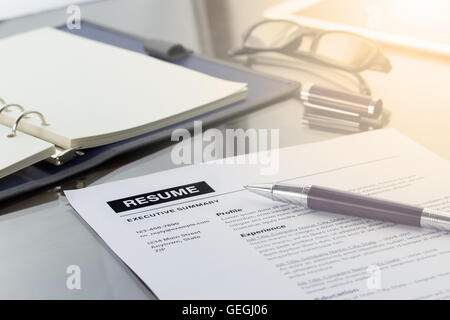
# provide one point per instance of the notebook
(92, 93)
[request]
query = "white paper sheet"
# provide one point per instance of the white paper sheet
(231, 244)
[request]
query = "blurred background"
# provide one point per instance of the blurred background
(196, 23)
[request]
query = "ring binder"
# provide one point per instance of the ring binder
(22, 115)
(61, 156)
(6, 106)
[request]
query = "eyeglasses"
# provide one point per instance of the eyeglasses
(336, 49)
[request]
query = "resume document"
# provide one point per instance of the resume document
(196, 233)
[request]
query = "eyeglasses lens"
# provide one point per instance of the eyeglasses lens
(343, 49)
(271, 35)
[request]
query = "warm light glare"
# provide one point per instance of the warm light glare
(421, 13)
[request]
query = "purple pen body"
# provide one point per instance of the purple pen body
(335, 201)
(351, 204)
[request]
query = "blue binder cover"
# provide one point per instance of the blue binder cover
(262, 91)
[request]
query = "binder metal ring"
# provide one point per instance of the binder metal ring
(21, 116)
(6, 106)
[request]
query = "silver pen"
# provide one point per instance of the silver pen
(346, 203)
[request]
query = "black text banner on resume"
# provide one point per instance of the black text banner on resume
(160, 196)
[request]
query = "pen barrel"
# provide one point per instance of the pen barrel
(330, 200)
(330, 99)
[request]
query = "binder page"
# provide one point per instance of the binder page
(21, 151)
(196, 233)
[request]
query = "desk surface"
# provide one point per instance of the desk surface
(41, 235)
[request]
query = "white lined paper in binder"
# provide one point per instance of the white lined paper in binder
(94, 94)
